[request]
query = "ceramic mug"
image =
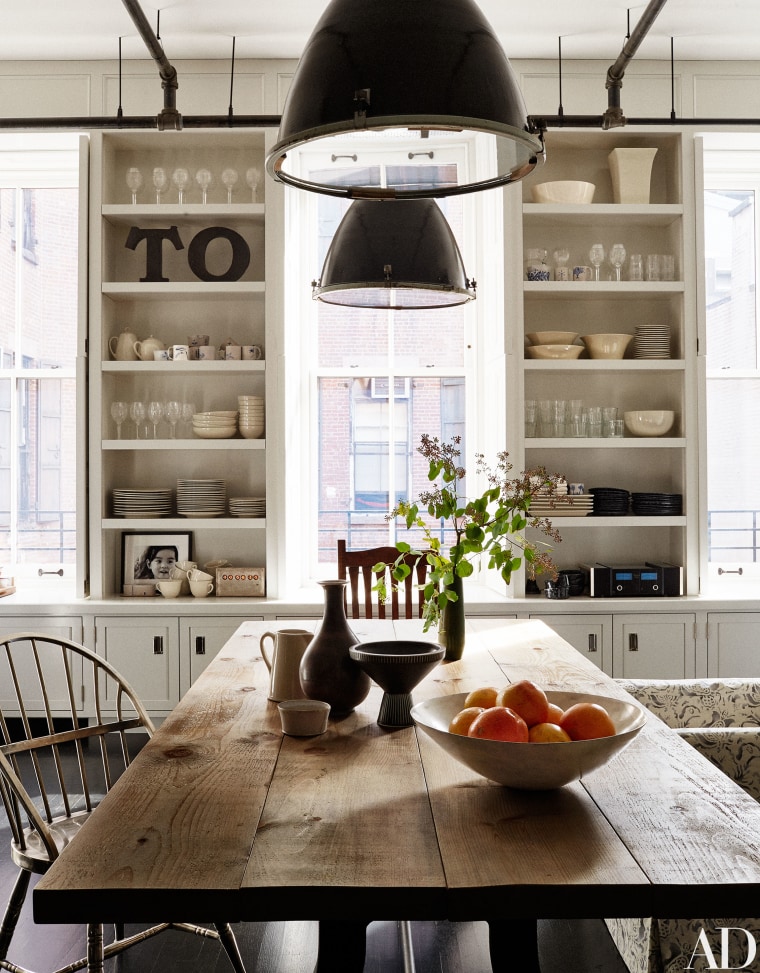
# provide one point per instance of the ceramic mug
(161, 355)
(200, 589)
(195, 574)
(576, 489)
(206, 353)
(169, 589)
(179, 353)
(232, 352)
(252, 352)
(583, 273)
(196, 340)
(288, 647)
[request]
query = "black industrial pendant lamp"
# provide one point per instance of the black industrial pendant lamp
(399, 255)
(418, 70)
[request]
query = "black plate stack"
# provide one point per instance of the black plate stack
(610, 501)
(657, 504)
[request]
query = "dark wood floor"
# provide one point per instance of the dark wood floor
(290, 947)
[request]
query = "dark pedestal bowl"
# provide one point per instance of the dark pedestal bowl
(397, 667)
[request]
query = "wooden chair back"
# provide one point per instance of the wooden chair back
(357, 566)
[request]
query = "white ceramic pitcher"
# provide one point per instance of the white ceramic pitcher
(289, 645)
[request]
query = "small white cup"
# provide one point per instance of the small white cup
(195, 574)
(179, 353)
(583, 273)
(232, 352)
(201, 589)
(206, 353)
(196, 340)
(303, 717)
(252, 352)
(169, 589)
(576, 489)
(162, 355)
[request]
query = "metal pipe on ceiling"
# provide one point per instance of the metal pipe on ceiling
(613, 117)
(168, 117)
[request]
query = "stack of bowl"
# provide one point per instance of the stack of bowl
(552, 344)
(215, 425)
(251, 416)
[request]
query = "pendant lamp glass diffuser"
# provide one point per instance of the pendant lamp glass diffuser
(399, 254)
(417, 69)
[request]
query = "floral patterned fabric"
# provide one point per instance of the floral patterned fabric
(721, 718)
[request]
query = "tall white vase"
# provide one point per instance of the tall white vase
(631, 171)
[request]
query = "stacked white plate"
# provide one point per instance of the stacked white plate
(651, 341)
(201, 498)
(215, 425)
(251, 411)
(248, 506)
(582, 505)
(142, 503)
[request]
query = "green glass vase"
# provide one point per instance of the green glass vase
(451, 626)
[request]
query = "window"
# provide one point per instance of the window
(732, 185)
(378, 379)
(39, 217)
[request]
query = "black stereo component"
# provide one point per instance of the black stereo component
(638, 581)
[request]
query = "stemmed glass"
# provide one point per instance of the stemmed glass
(617, 258)
(230, 178)
(173, 413)
(134, 182)
(596, 258)
(137, 415)
(188, 411)
(204, 179)
(160, 182)
(181, 180)
(155, 414)
(119, 412)
(253, 178)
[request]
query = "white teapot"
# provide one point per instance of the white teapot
(122, 346)
(144, 349)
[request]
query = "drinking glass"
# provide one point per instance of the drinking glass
(188, 411)
(119, 412)
(253, 178)
(596, 258)
(173, 413)
(653, 266)
(204, 179)
(636, 267)
(617, 258)
(134, 182)
(229, 179)
(160, 182)
(155, 414)
(530, 418)
(181, 180)
(137, 415)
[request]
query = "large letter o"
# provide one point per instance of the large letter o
(196, 253)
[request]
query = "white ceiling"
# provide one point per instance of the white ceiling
(90, 29)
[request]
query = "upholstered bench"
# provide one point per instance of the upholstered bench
(721, 718)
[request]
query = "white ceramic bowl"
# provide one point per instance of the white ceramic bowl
(563, 191)
(252, 432)
(607, 345)
(303, 717)
(530, 766)
(553, 351)
(551, 337)
(202, 433)
(649, 422)
(215, 415)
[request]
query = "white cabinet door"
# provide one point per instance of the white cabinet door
(146, 653)
(68, 628)
(733, 648)
(202, 638)
(654, 646)
(590, 634)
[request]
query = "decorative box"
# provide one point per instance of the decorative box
(240, 582)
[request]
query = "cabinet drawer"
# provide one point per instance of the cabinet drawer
(591, 635)
(68, 628)
(654, 646)
(146, 653)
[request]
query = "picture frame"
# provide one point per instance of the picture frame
(148, 556)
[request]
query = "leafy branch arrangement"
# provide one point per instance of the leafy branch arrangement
(492, 524)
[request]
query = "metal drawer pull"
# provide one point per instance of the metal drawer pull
(158, 645)
(592, 647)
(200, 644)
(633, 642)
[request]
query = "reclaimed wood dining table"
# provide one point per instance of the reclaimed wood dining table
(222, 815)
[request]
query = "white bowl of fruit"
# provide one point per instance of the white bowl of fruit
(523, 737)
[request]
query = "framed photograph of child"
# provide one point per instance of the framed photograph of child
(150, 556)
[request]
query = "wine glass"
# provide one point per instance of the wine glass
(173, 413)
(137, 415)
(181, 180)
(617, 258)
(134, 182)
(160, 181)
(119, 412)
(230, 178)
(155, 414)
(253, 178)
(188, 411)
(596, 258)
(204, 179)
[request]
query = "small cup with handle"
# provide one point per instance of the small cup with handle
(201, 589)
(195, 574)
(169, 589)
(252, 352)
(288, 647)
(179, 353)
